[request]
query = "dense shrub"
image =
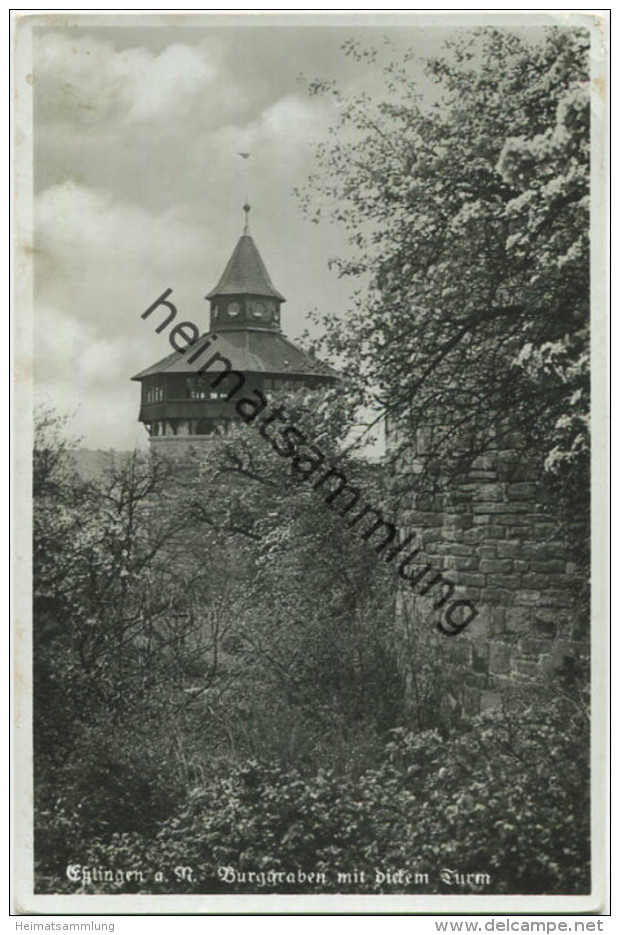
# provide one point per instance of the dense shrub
(114, 781)
(508, 797)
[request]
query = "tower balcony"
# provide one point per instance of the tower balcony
(186, 409)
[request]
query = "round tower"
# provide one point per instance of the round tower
(191, 394)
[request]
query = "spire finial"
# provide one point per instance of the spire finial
(246, 208)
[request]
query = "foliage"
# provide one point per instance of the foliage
(468, 212)
(506, 797)
(186, 621)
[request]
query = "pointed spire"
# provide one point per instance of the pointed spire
(245, 273)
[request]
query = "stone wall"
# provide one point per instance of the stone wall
(495, 538)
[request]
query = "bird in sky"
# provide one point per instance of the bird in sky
(245, 155)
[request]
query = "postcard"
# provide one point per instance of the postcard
(310, 540)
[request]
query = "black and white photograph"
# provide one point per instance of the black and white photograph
(310, 462)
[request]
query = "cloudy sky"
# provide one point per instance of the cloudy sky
(139, 185)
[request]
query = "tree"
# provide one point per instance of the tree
(468, 212)
(186, 617)
(315, 635)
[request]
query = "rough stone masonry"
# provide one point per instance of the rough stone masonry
(504, 553)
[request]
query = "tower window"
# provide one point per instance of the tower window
(196, 388)
(200, 388)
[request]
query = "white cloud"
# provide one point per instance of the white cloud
(100, 263)
(87, 81)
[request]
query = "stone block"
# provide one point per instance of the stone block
(487, 551)
(480, 656)
(506, 520)
(470, 579)
(467, 592)
(520, 566)
(477, 680)
(475, 535)
(498, 621)
(419, 518)
(518, 532)
(557, 599)
(509, 549)
(471, 701)
(518, 619)
(490, 492)
(485, 462)
(562, 648)
(551, 567)
(481, 476)
(454, 548)
(499, 596)
(455, 509)
(536, 581)
(457, 520)
(459, 653)
(461, 494)
(493, 565)
(516, 473)
(580, 629)
(513, 582)
(463, 564)
(515, 508)
(507, 456)
(490, 529)
(480, 627)
(529, 597)
(527, 669)
(545, 623)
(485, 519)
(521, 491)
(539, 515)
(465, 486)
(532, 580)
(490, 700)
(438, 562)
(423, 438)
(499, 658)
(542, 551)
(533, 647)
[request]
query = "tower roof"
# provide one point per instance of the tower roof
(245, 273)
(249, 352)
